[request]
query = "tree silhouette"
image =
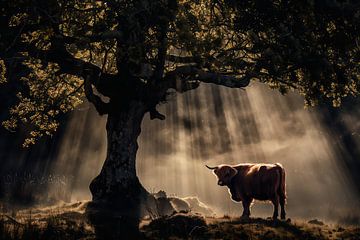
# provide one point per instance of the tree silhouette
(126, 56)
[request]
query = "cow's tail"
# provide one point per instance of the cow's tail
(281, 190)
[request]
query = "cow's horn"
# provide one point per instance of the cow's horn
(211, 168)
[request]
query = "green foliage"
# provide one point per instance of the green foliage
(308, 46)
(2, 72)
(311, 47)
(49, 94)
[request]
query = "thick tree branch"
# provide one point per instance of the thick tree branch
(182, 59)
(160, 65)
(197, 75)
(70, 65)
(92, 74)
(112, 34)
(173, 81)
(154, 114)
(181, 85)
(101, 107)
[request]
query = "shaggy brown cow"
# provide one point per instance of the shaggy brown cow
(247, 182)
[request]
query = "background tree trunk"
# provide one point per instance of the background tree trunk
(117, 185)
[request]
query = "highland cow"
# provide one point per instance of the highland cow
(247, 182)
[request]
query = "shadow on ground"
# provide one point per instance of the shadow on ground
(71, 222)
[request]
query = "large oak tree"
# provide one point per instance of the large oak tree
(126, 56)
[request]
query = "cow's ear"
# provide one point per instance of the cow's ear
(232, 172)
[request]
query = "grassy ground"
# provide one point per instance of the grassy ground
(70, 222)
(254, 229)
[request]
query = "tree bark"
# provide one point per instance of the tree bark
(117, 186)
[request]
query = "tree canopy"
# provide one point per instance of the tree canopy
(117, 51)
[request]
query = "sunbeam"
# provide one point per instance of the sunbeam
(220, 125)
(214, 126)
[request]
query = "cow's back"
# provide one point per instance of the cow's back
(258, 181)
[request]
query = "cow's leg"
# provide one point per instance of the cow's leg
(246, 205)
(275, 202)
(282, 205)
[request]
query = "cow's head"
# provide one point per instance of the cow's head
(224, 173)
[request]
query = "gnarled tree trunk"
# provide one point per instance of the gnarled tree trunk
(117, 186)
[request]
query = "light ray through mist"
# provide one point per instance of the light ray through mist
(214, 125)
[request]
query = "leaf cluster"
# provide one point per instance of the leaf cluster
(132, 46)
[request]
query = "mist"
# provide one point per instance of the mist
(219, 125)
(215, 125)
